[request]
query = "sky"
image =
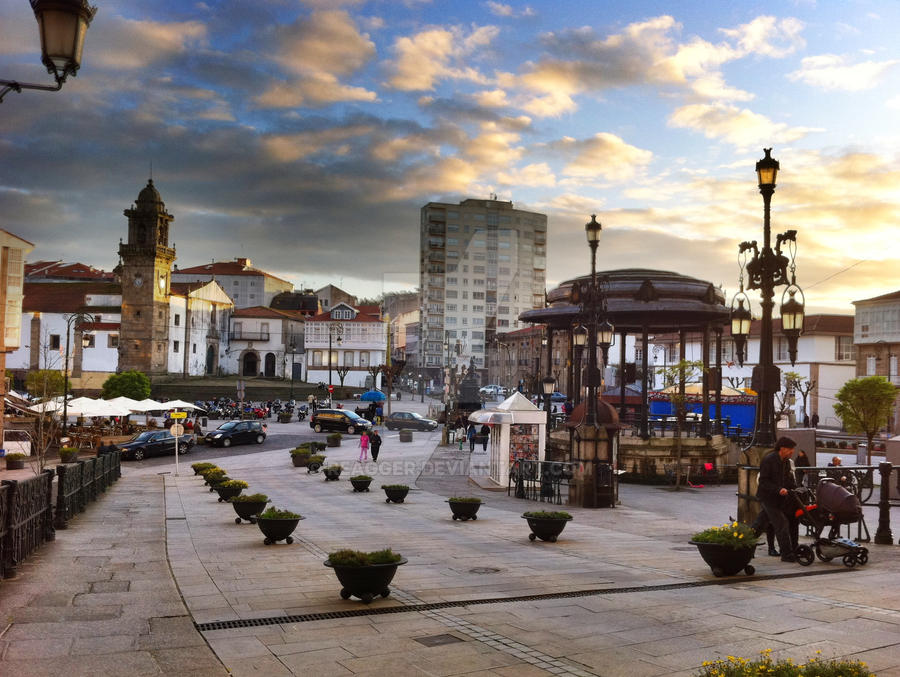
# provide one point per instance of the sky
(306, 136)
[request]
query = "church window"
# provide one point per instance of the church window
(160, 315)
(112, 341)
(137, 313)
(176, 346)
(194, 348)
(159, 347)
(54, 341)
(177, 319)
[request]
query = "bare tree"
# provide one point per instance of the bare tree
(674, 376)
(45, 384)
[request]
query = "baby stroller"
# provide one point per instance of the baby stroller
(830, 507)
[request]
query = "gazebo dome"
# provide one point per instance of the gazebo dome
(607, 417)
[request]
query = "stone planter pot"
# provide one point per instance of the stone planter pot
(331, 475)
(464, 510)
(395, 495)
(724, 560)
(360, 485)
(546, 529)
(247, 510)
(228, 492)
(284, 418)
(406, 435)
(68, 458)
(276, 530)
(333, 441)
(367, 582)
(214, 483)
(300, 460)
(15, 463)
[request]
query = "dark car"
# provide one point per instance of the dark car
(340, 420)
(236, 432)
(154, 443)
(409, 421)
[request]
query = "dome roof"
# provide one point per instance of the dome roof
(149, 197)
(607, 417)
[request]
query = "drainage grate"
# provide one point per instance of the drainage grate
(484, 570)
(437, 640)
(399, 609)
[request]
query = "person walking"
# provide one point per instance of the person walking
(470, 435)
(814, 420)
(375, 443)
(801, 462)
(776, 479)
(364, 446)
(485, 433)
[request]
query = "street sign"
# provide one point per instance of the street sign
(178, 414)
(178, 430)
(331, 389)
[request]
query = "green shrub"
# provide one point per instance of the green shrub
(357, 558)
(302, 450)
(337, 467)
(464, 499)
(334, 436)
(234, 484)
(361, 478)
(317, 458)
(15, 456)
(203, 465)
(274, 513)
(394, 487)
(548, 515)
(734, 534)
(742, 667)
(250, 498)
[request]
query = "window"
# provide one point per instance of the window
(477, 294)
(844, 348)
(781, 349)
(363, 358)
(54, 341)
(176, 346)
(638, 353)
(112, 341)
(348, 358)
(194, 348)
(871, 365)
(317, 358)
(451, 280)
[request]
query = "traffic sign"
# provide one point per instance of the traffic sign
(331, 389)
(178, 414)
(178, 430)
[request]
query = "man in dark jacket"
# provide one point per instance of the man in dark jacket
(775, 480)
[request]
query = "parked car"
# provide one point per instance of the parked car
(154, 443)
(558, 397)
(435, 391)
(339, 420)
(236, 432)
(493, 390)
(409, 420)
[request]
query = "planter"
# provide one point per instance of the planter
(546, 528)
(300, 461)
(247, 510)
(360, 485)
(15, 463)
(464, 510)
(366, 582)
(333, 441)
(228, 492)
(284, 418)
(215, 482)
(70, 457)
(276, 530)
(395, 495)
(315, 464)
(406, 435)
(724, 560)
(331, 475)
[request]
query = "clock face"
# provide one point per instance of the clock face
(138, 280)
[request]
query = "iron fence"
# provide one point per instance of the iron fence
(540, 480)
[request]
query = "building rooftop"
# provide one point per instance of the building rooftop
(41, 297)
(240, 266)
(59, 270)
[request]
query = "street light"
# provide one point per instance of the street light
(62, 25)
(78, 320)
(335, 332)
(766, 270)
(293, 348)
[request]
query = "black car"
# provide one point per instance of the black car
(409, 421)
(236, 432)
(340, 420)
(154, 443)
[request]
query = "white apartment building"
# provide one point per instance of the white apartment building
(245, 285)
(355, 337)
(481, 264)
(876, 337)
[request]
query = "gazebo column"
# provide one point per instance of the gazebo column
(570, 368)
(645, 408)
(704, 426)
(622, 336)
(718, 383)
(682, 356)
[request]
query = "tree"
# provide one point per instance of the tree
(44, 384)
(342, 374)
(788, 399)
(133, 384)
(674, 376)
(864, 406)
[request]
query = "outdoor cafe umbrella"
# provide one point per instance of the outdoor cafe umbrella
(372, 396)
(179, 404)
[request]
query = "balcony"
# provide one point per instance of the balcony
(248, 336)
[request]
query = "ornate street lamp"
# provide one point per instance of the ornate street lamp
(767, 269)
(62, 25)
(548, 385)
(740, 325)
(77, 321)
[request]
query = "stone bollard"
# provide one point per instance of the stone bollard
(883, 535)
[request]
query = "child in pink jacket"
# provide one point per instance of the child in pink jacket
(364, 446)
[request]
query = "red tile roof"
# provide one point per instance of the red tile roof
(361, 317)
(226, 268)
(274, 313)
(65, 271)
(63, 297)
(813, 324)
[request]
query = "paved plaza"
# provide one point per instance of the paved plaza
(156, 578)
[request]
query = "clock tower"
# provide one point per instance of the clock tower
(146, 272)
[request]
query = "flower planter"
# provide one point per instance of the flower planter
(15, 463)
(331, 475)
(247, 510)
(360, 485)
(724, 560)
(276, 530)
(300, 461)
(395, 495)
(228, 492)
(213, 483)
(406, 435)
(464, 510)
(333, 441)
(366, 582)
(314, 466)
(546, 528)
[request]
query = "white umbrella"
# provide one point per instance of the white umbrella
(123, 401)
(148, 405)
(48, 406)
(179, 404)
(102, 408)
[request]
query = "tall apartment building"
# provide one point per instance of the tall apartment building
(481, 263)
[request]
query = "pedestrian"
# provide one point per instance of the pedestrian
(375, 443)
(197, 430)
(802, 461)
(485, 433)
(379, 413)
(776, 479)
(364, 446)
(815, 420)
(470, 435)
(805, 420)
(311, 399)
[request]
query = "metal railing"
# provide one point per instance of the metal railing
(28, 521)
(540, 480)
(248, 336)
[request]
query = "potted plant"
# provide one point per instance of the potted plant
(546, 525)
(248, 506)
(15, 461)
(316, 461)
(206, 472)
(360, 482)
(230, 489)
(214, 479)
(300, 456)
(284, 417)
(727, 549)
(365, 574)
(68, 454)
(203, 465)
(334, 439)
(406, 435)
(277, 525)
(396, 493)
(464, 507)
(332, 472)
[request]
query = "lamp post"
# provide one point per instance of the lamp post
(293, 348)
(62, 25)
(78, 321)
(766, 270)
(335, 333)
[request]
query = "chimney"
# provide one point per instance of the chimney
(243, 262)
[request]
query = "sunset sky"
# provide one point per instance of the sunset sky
(307, 135)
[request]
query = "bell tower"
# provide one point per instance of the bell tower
(146, 277)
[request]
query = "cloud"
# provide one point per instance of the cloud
(768, 36)
(507, 11)
(737, 126)
(537, 174)
(292, 147)
(430, 56)
(832, 72)
(605, 155)
(128, 44)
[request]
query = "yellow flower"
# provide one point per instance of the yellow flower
(734, 534)
(741, 536)
(734, 524)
